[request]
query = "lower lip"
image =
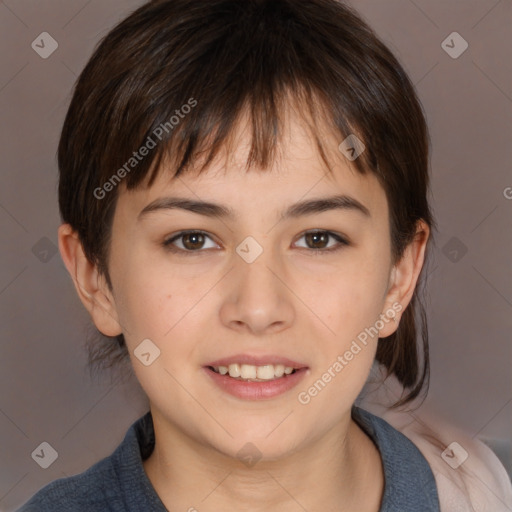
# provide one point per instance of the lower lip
(256, 390)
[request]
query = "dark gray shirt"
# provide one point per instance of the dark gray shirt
(118, 483)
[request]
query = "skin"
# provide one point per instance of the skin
(293, 300)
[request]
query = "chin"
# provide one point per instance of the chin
(257, 444)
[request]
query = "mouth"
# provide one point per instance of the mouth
(253, 373)
(255, 378)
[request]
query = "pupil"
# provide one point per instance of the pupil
(316, 237)
(197, 240)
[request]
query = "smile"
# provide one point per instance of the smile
(277, 380)
(252, 373)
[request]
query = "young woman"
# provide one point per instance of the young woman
(243, 187)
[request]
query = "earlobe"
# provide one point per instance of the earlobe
(404, 277)
(90, 285)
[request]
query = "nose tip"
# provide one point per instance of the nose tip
(259, 301)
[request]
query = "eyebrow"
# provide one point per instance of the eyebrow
(300, 209)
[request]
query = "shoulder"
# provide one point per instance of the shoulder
(409, 481)
(87, 491)
(468, 475)
(116, 483)
(395, 447)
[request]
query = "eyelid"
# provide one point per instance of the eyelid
(168, 241)
(341, 240)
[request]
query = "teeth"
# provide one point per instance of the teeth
(265, 372)
(248, 372)
(251, 372)
(279, 370)
(234, 370)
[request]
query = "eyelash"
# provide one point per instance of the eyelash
(342, 242)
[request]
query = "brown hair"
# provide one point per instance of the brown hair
(220, 57)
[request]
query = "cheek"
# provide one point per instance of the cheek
(145, 299)
(350, 298)
(349, 305)
(162, 302)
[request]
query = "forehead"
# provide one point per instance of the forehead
(297, 169)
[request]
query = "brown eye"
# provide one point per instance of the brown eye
(319, 241)
(188, 241)
(193, 240)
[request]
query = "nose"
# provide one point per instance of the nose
(258, 300)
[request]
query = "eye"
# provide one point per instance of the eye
(317, 240)
(192, 241)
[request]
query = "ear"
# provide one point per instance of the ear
(91, 286)
(404, 276)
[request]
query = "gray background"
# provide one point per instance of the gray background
(46, 395)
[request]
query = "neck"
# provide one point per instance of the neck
(342, 471)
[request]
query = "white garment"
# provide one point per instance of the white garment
(479, 484)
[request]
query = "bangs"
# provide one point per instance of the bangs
(190, 145)
(170, 83)
(256, 59)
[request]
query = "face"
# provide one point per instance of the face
(269, 284)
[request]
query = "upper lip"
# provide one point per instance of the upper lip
(260, 360)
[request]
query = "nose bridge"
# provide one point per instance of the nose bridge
(256, 268)
(258, 299)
